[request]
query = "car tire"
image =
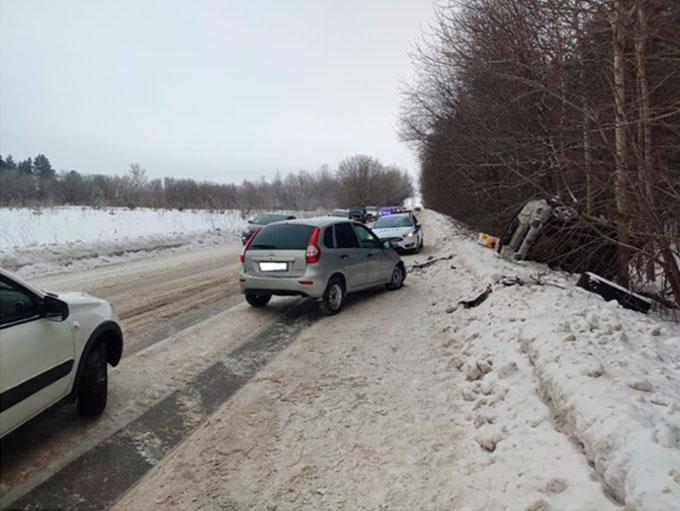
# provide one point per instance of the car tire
(258, 300)
(397, 279)
(333, 297)
(93, 386)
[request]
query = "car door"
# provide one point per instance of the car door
(36, 357)
(379, 264)
(351, 257)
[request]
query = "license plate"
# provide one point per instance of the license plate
(273, 267)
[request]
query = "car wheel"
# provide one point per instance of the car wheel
(258, 300)
(397, 279)
(93, 386)
(333, 298)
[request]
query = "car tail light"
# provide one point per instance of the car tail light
(313, 253)
(245, 247)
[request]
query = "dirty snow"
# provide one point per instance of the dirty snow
(48, 240)
(542, 397)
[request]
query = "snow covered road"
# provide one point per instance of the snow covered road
(532, 401)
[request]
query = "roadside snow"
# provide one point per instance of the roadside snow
(610, 376)
(541, 398)
(40, 241)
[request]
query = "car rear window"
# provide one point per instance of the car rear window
(282, 237)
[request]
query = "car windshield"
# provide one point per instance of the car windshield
(267, 219)
(282, 237)
(393, 221)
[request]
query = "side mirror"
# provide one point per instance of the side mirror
(54, 309)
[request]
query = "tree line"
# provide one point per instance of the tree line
(572, 100)
(358, 180)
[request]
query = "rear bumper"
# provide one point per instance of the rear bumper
(282, 286)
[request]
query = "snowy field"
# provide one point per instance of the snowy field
(39, 241)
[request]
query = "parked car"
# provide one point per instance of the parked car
(372, 213)
(358, 214)
(260, 220)
(323, 258)
(55, 350)
(402, 230)
(340, 213)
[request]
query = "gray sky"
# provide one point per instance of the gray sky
(219, 90)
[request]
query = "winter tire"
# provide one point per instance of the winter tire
(258, 300)
(333, 297)
(397, 279)
(93, 386)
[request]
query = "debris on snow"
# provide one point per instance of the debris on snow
(468, 304)
(430, 261)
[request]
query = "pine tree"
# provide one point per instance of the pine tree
(9, 164)
(26, 167)
(43, 167)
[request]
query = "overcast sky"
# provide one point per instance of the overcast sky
(220, 90)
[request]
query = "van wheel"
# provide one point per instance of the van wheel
(258, 300)
(93, 386)
(397, 279)
(333, 297)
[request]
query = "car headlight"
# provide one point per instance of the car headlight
(410, 234)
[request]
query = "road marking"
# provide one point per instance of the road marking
(100, 476)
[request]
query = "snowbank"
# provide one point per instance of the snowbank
(609, 376)
(38, 241)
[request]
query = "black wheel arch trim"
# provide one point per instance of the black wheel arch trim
(342, 278)
(114, 350)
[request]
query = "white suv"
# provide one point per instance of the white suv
(54, 349)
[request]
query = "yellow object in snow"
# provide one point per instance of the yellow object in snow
(487, 240)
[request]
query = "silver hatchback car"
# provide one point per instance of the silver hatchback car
(324, 258)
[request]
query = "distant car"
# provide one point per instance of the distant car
(402, 230)
(340, 213)
(372, 213)
(55, 350)
(357, 214)
(323, 258)
(260, 220)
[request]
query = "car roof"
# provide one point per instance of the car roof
(273, 214)
(321, 221)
